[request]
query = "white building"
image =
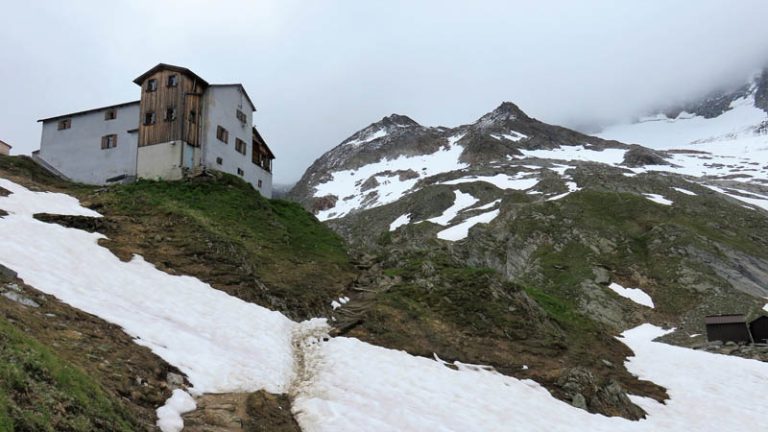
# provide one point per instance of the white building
(180, 126)
(5, 148)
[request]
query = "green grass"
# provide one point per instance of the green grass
(41, 392)
(231, 209)
(241, 236)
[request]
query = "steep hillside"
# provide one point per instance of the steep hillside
(241, 366)
(69, 370)
(596, 236)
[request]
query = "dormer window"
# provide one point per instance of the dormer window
(151, 85)
(173, 80)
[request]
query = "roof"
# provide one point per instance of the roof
(761, 317)
(165, 66)
(241, 89)
(725, 319)
(258, 136)
(5, 144)
(89, 111)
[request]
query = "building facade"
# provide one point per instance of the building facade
(181, 126)
(5, 148)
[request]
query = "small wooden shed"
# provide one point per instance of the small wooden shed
(727, 328)
(759, 329)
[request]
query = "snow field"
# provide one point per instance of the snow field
(357, 386)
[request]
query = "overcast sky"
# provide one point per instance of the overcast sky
(320, 70)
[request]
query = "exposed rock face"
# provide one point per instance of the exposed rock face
(638, 156)
(585, 391)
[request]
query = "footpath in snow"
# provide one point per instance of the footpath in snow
(226, 345)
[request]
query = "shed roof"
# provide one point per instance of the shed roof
(165, 66)
(725, 319)
(88, 111)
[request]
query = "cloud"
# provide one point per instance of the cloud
(318, 71)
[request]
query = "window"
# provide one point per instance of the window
(241, 116)
(240, 172)
(193, 116)
(170, 114)
(151, 85)
(110, 114)
(108, 141)
(239, 145)
(173, 80)
(222, 134)
(259, 184)
(219, 161)
(149, 118)
(65, 124)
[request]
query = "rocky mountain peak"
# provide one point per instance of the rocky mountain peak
(505, 112)
(397, 120)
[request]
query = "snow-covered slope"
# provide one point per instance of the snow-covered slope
(732, 144)
(389, 159)
(343, 384)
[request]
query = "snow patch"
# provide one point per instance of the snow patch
(608, 156)
(461, 230)
(760, 201)
(659, 199)
(169, 415)
(380, 133)
(400, 221)
(635, 294)
(519, 181)
(460, 202)
(684, 191)
(572, 187)
(511, 136)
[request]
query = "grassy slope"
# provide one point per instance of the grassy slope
(271, 252)
(41, 392)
